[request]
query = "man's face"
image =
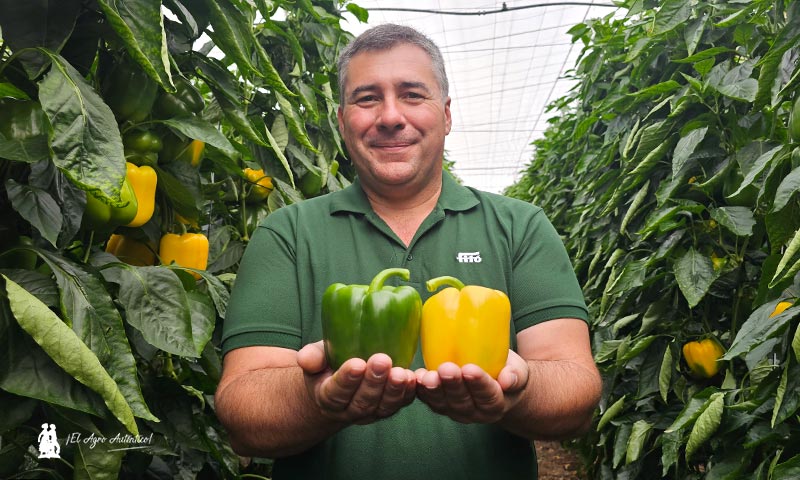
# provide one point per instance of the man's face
(394, 118)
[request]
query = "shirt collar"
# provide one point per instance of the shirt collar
(454, 197)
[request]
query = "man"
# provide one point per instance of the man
(369, 419)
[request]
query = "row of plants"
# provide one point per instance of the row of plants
(141, 142)
(672, 169)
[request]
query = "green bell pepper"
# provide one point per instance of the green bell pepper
(142, 147)
(359, 320)
(101, 216)
(185, 102)
(130, 92)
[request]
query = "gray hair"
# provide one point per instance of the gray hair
(385, 37)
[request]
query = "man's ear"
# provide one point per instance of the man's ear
(447, 116)
(339, 118)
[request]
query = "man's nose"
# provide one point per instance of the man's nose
(391, 115)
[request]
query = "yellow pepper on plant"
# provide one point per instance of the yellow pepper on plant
(130, 250)
(780, 307)
(188, 250)
(261, 184)
(143, 180)
(702, 357)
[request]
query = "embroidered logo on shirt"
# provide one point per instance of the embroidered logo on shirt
(469, 257)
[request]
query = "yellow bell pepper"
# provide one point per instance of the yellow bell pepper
(130, 251)
(465, 324)
(780, 307)
(188, 250)
(261, 184)
(701, 357)
(194, 152)
(143, 180)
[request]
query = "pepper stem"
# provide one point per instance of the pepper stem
(377, 282)
(434, 283)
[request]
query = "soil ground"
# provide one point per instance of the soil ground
(556, 462)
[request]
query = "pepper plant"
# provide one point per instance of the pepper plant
(672, 169)
(101, 333)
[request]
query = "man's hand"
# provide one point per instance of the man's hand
(468, 394)
(358, 392)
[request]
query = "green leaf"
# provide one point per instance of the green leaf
(67, 350)
(362, 14)
(788, 469)
(686, 147)
(787, 397)
(691, 410)
(707, 423)
(771, 62)
(665, 374)
(157, 305)
(197, 128)
(637, 348)
(739, 220)
(621, 443)
(744, 90)
(695, 273)
(181, 197)
(203, 319)
(86, 142)
(760, 164)
(670, 447)
(796, 343)
(38, 207)
(86, 304)
(140, 25)
(636, 442)
(276, 148)
(28, 372)
(704, 55)
(37, 24)
(633, 275)
(672, 14)
(789, 185)
(758, 328)
(788, 255)
(295, 122)
(101, 461)
(657, 89)
(280, 132)
(232, 33)
(636, 202)
(235, 113)
(611, 412)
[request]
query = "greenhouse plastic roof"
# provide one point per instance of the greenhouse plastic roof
(504, 64)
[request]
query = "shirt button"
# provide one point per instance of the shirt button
(410, 257)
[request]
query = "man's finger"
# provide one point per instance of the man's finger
(337, 391)
(368, 395)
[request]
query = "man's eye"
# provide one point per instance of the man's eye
(367, 99)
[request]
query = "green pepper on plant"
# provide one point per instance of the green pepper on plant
(359, 320)
(142, 147)
(186, 101)
(130, 92)
(100, 215)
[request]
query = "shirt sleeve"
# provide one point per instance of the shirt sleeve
(264, 307)
(544, 285)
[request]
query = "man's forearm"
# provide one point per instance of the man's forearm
(557, 403)
(268, 413)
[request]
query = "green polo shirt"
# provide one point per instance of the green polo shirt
(477, 237)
